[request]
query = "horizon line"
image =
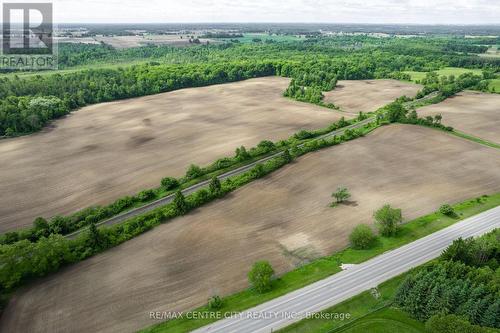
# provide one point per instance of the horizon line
(305, 23)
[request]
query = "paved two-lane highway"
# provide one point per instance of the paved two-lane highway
(323, 294)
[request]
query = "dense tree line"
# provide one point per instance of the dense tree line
(24, 260)
(315, 65)
(455, 46)
(28, 104)
(463, 282)
(64, 225)
(450, 85)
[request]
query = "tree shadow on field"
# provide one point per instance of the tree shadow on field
(350, 203)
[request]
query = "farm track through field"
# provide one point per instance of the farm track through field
(166, 200)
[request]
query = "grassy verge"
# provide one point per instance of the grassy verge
(324, 267)
(494, 85)
(475, 139)
(364, 313)
(386, 320)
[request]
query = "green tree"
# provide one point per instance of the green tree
(452, 324)
(180, 203)
(491, 316)
(169, 183)
(362, 237)
(41, 226)
(194, 171)
(459, 250)
(395, 112)
(94, 237)
(215, 186)
(260, 277)
(447, 210)
(438, 118)
(341, 195)
(257, 171)
(146, 195)
(242, 154)
(215, 302)
(287, 157)
(388, 220)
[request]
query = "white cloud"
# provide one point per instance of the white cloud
(333, 11)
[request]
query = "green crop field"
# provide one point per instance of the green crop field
(417, 76)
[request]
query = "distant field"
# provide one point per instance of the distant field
(121, 42)
(105, 151)
(474, 113)
(248, 38)
(418, 76)
(284, 218)
(493, 52)
(75, 69)
(353, 96)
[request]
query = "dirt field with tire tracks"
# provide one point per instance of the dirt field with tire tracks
(470, 112)
(284, 218)
(353, 96)
(106, 151)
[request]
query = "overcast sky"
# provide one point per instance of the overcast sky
(324, 11)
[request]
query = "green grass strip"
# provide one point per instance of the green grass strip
(475, 139)
(351, 312)
(324, 267)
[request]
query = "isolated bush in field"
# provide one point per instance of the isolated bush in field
(169, 183)
(260, 277)
(362, 237)
(388, 220)
(215, 186)
(341, 195)
(194, 171)
(180, 203)
(447, 210)
(215, 303)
